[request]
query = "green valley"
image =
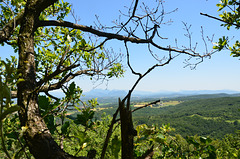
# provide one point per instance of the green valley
(204, 115)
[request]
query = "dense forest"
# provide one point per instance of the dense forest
(208, 123)
(204, 115)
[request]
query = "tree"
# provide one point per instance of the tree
(229, 16)
(52, 52)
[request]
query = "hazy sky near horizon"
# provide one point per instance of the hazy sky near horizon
(218, 73)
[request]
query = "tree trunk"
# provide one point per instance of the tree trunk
(37, 136)
(127, 131)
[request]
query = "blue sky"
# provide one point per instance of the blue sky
(218, 73)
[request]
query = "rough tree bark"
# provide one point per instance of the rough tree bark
(37, 135)
(127, 130)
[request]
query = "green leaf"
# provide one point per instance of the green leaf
(160, 136)
(64, 128)
(203, 139)
(115, 146)
(69, 39)
(20, 80)
(72, 88)
(78, 109)
(44, 103)
(8, 111)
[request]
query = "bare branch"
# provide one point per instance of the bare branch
(128, 62)
(204, 41)
(132, 16)
(207, 15)
(143, 75)
(55, 73)
(146, 105)
(92, 30)
(51, 96)
(67, 78)
(116, 36)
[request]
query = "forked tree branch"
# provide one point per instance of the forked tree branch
(117, 36)
(67, 78)
(91, 30)
(50, 87)
(55, 73)
(7, 30)
(143, 75)
(128, 97)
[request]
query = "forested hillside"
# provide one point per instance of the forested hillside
(213, 117)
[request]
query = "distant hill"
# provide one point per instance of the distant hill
(202, 96)
(100, 93)
(105, 93)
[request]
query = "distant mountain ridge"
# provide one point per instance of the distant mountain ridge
(97, 93)
(105, 93)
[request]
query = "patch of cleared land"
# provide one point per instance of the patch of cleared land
(161, 104)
